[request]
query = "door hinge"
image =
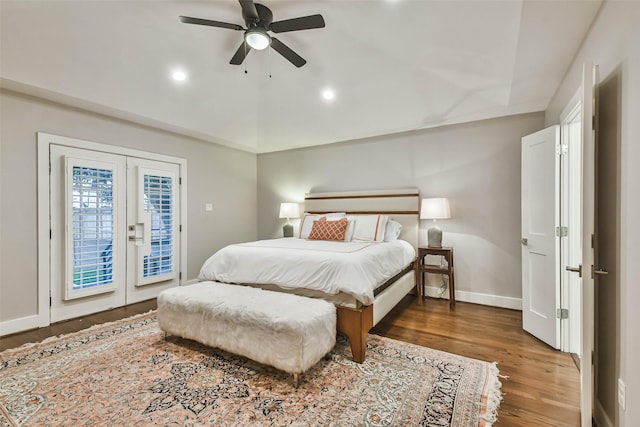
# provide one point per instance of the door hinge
(180, 276)
(50, 234)
(180, 181)
(562, 231)
(593, 241)
(180, 228)
(593, 122)
(50, 302)
(562, 149)
(562, 313)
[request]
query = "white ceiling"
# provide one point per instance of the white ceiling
(395, 65)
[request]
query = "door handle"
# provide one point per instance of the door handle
(133, 234)
(575, 269)
(599, 272)
(524, 241)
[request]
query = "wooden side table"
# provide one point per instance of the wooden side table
(422, 267)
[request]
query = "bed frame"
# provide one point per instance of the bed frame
(403, 205)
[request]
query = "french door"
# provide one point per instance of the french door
(115, 223)
(153, 226)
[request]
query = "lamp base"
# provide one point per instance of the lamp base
(287, 230)
(434, 237)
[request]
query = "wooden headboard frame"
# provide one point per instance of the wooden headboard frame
(402, 205)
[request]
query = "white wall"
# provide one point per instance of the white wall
(613, 43)
(216, 174)
(476, 165)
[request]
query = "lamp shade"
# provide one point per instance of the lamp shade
(289, 210)
(435, 208)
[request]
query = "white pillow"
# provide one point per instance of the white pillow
(369, 228)
(348, 235)
(392, 232)
(306, 223)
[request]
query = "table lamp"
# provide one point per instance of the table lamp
(289, 210)
(435, 208)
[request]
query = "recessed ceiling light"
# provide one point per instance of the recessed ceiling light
(328, 94)
(179, 76)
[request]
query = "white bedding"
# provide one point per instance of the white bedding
(354, 268)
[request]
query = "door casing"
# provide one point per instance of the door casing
(44, 140)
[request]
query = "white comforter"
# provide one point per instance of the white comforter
(354, 268)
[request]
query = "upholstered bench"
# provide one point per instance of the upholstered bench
(286, 331)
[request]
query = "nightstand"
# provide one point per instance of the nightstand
(422, 267)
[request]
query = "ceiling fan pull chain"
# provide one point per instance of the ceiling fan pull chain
(269, 61)
(245, 55)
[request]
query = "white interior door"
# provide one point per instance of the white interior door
(153, 218)
(540, 252)
(115, 230)
(88, 229)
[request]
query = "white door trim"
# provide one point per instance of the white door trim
(571, 213)
(44, 140)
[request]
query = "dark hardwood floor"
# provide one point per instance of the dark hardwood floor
(543, 385)
(74, 325)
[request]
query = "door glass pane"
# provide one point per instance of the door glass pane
(93, 225)
(158, 201)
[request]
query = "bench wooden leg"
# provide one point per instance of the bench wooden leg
(355, 323)
(296, 380)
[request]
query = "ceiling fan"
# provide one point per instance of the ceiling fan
(258, 19)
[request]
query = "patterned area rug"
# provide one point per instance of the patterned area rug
(127, 373)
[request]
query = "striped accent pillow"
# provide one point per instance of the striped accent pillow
(369, 228)
(329, 230)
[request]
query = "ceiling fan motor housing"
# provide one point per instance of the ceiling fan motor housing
(265, 17)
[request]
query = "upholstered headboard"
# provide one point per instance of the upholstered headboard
(402, 205)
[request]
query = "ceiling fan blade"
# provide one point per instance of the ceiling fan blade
(198, 21)
(295, 24)
(249, 11)
(290, 55)
(240, 54)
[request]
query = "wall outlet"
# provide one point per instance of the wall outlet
(622, 394)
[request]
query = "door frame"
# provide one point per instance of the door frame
(44, 140)
(572, 326)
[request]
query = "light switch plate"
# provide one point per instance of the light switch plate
(208, 207)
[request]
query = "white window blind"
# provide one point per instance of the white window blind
(90, 227)
(158, 202)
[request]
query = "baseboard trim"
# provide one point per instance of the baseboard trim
(19, 325)
(477, 298)
(601, 417)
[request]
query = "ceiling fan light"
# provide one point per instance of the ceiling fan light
(257, 39)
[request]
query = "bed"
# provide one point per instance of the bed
(365, 277)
